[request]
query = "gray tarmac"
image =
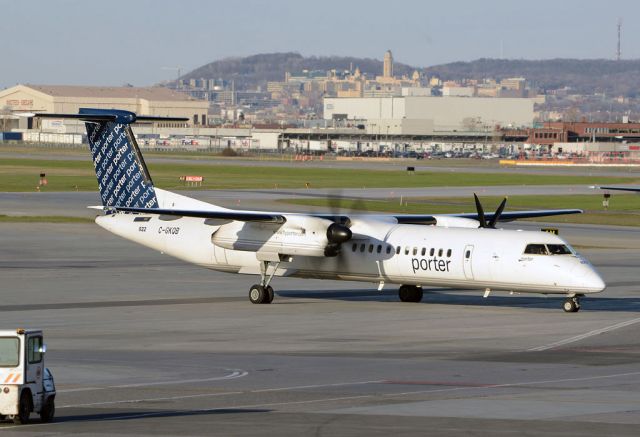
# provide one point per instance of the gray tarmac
(143, 344)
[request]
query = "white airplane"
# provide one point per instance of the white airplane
(459, 250)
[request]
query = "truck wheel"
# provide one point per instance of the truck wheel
(24, 409)
(48, 410)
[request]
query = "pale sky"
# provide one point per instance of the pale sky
(115, 42)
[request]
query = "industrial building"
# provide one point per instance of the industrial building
(156, 101)
(550, 133)
(423, 115)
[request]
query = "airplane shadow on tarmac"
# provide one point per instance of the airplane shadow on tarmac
(472, 298)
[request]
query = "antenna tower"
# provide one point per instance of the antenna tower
(618, 49)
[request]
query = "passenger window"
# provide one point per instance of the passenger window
(449, 253)
(440, 252)
(415, 251)
(379, 249)
(424, 251)
(558, 249)
(467, 254)
(388, 249)
(354, 247)
(536, 249)
(432, 251)
(371, 248)
(362, 246)
(398, 250)
(406, 250)
(34, 345)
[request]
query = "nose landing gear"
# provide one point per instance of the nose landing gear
(571, 305)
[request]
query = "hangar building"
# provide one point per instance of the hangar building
(422, 115)
(158, 101)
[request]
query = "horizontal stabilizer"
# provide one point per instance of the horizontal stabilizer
(115, 115)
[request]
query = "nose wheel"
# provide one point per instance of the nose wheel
(571, 305)
(410, 293)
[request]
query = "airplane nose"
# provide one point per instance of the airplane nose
(590, 279)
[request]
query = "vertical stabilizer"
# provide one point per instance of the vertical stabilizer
(123, 178)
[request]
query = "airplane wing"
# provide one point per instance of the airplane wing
(632, 189)
(268, 217)
(243, 216)
(418, 219)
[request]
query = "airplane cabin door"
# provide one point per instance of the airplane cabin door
(467, 261)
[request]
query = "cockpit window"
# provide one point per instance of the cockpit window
(558, 249)
(536, 249)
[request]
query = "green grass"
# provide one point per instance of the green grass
(624, 209)
(43, 219)
(68, 175)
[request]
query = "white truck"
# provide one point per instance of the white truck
(26, 386)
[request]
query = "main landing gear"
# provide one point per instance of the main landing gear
(571, 305)
(410, 293)
(263, 292)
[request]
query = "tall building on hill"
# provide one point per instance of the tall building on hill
(387, 70)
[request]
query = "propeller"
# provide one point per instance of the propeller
(339, 232)
(496, 215)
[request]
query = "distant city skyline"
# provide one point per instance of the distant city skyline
(93, 43)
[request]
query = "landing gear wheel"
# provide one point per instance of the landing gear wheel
(404, 293)
(417, 294)
(270, 294)
(48, 410)
(410, 293)
(571, 305)
(24, 409)
(257, 294)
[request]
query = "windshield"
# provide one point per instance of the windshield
(558, 249)
(9, 352)
(547, 249)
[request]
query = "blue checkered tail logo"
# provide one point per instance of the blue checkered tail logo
(123, 177)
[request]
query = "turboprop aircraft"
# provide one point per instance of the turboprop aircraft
(459, 250)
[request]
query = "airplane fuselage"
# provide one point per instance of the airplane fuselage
(380, 252)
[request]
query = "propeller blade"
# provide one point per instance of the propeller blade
(481, 217)
(497, 214)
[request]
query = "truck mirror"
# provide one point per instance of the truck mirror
(42, 349)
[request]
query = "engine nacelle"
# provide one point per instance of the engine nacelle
(300, 235)
(455, 222)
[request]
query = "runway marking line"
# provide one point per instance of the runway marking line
(309, 401)
(583, 336)
(233, 375)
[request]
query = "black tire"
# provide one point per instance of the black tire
(417, 294)
(24, 408)
(270, 294)
(571, 306)
(48, 410)
(257, 294)
(405, 293)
